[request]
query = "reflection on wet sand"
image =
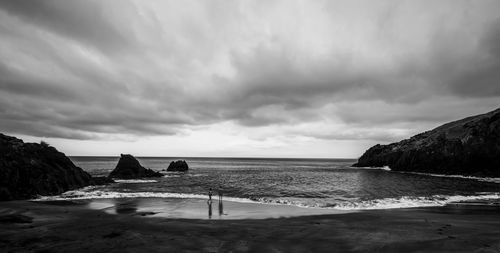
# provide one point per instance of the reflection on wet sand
(125, 206)
(209, 202)
(197, 208)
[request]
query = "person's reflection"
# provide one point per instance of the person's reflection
(221, 207)
(209, 202)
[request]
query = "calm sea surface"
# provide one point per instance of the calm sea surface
(324, 183)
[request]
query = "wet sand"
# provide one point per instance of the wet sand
(198, 208)
(75, 227)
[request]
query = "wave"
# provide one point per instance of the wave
(184, 174)
(93, 192)
(386, 168)
(175, 175)
(410, 202)
(134, 181)
(387, 203)
(482, 179)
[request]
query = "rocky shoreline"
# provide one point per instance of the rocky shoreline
(28, 170)
(469, 147)
(31, 169)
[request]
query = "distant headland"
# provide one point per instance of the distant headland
(470, 146)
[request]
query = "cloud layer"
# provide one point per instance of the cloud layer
(274, 70)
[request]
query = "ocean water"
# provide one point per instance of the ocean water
(317, 183)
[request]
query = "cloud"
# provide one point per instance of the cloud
(90, 22)
(479, 76)
(329, 70)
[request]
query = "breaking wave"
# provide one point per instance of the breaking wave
(482, 179)
(92, 193)
(134, 181)
(384, 203)
(410, 202)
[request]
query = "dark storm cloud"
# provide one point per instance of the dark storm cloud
(275, 77)
(481, 76)
(87, 69)
(16, 83)
(85, 21)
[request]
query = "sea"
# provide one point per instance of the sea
(309, 183)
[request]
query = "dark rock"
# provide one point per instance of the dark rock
(31, 169)
(128, 168)
(179, 165)
(470, 146)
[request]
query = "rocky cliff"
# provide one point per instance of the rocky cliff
(128, 168)
(470, 146)
(31, 169)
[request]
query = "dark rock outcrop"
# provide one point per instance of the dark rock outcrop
(470, 146)
(179, 165)
(128, 168)
(31, 169)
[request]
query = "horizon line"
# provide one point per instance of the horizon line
(226, 157)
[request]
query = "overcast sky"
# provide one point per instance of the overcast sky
(242, 78)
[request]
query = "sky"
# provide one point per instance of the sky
(291, 78)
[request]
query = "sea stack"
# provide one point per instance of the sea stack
(179, 165)
(470, 146)
(129, 168)
(31, 169)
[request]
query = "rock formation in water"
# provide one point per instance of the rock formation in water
(129, 168)
(470, 146)
(31, 169)
(178, 166)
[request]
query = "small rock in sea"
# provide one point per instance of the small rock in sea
(129, 168)
(179, 165)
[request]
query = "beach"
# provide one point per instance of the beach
(76, 226)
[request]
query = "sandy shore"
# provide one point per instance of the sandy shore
(74, 227)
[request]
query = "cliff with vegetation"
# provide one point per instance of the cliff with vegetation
(31, 169)
(469, 146)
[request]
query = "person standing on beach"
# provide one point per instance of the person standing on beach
(209, 202)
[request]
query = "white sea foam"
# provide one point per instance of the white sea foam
(388, 203)
(386, 168)
(483, 179)
(134, 181)
(407, 202)
(89, 193)
(385, 203)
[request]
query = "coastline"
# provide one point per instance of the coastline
(192, 208)
(72, 226)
